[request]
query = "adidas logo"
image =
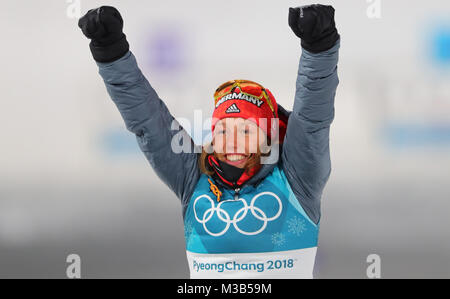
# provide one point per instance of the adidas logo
(233, 109)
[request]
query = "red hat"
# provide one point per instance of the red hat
(248, 100)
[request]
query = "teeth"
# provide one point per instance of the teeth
(235, 157)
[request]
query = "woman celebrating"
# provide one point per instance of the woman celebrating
(246, 214)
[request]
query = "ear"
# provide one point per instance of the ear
(209, 147)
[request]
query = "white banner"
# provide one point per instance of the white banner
(281, 264)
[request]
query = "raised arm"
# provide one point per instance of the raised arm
(306, 153)
(144, 113)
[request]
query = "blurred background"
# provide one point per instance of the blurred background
(72, 178)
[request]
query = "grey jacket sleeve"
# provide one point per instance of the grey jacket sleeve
(305, 154)
(146, 115)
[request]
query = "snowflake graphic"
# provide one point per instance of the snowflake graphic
(278, 239)
(296, 226)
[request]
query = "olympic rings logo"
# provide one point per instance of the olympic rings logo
(240, 214)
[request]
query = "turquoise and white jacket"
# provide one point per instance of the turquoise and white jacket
(267, 229)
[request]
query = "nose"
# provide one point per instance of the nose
(231, 141)
(234, 142)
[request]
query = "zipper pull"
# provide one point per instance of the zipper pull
(236, 193)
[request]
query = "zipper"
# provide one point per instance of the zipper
(236, 193)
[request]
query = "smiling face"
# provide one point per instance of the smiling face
(236, 139)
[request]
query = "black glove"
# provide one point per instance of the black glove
(103, 26)
(315, 25)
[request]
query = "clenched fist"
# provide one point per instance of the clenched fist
(315, 25)
(104, 26)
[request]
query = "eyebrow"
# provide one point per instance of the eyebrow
(242, 124)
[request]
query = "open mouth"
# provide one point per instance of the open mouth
(236, 159)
